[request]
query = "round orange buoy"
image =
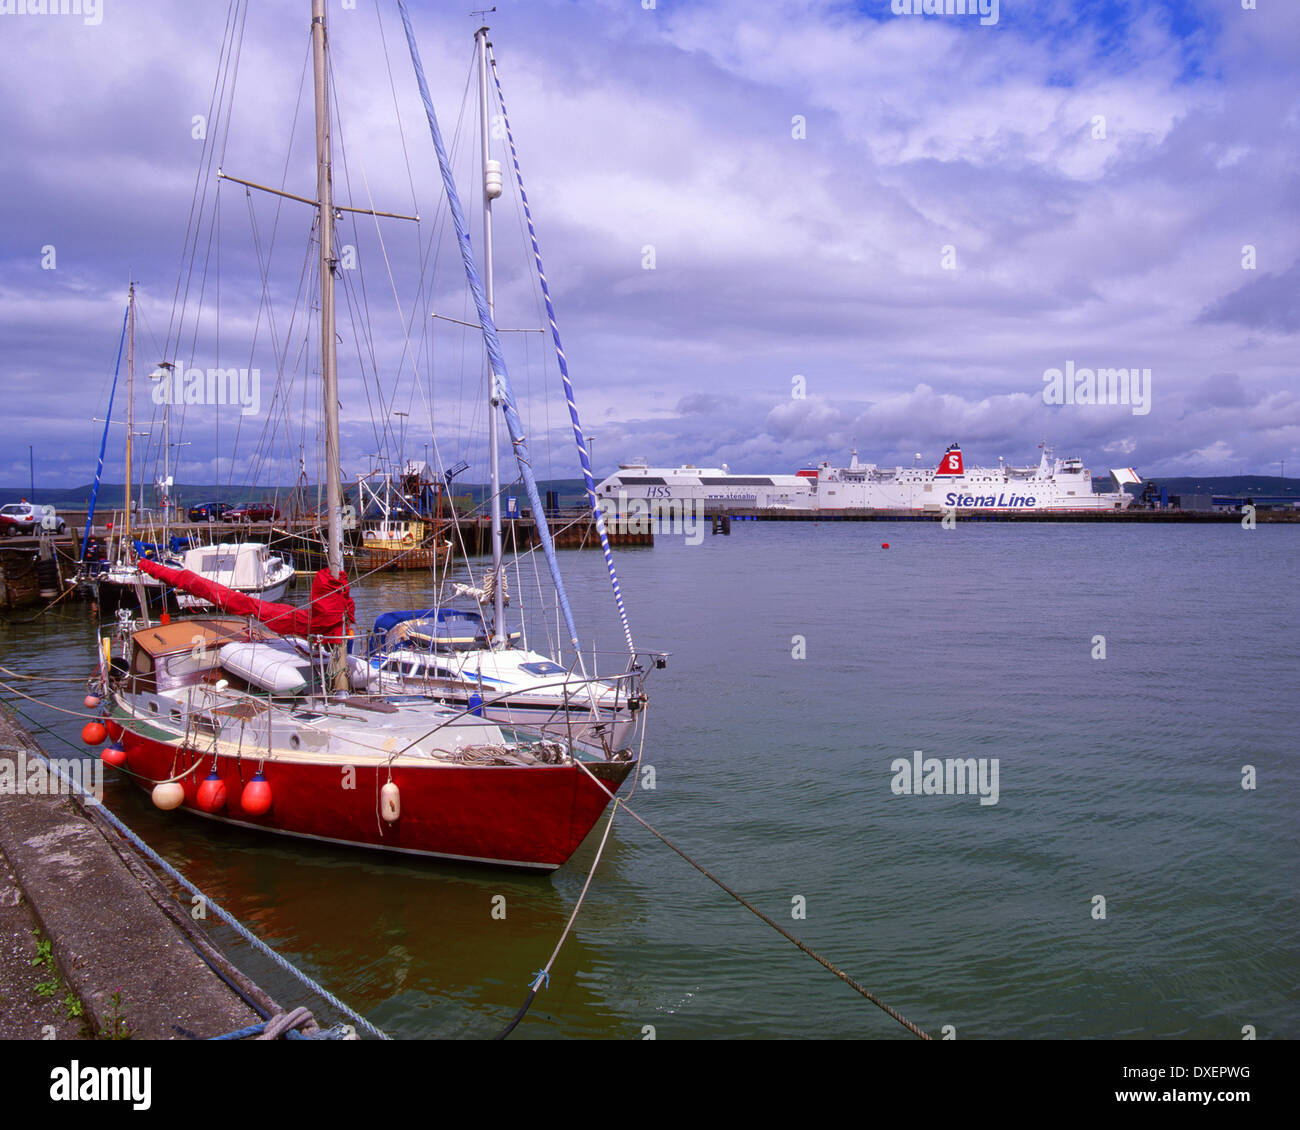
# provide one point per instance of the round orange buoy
(884, 545)
(168, 795)
(212, 794)
(256, 797)
(92, 733)
(390, 802)
(91, 701)
(113, 755)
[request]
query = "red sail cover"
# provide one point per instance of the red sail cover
(327, 614)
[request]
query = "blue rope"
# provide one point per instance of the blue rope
(103, 443)
(583, 455)
(242, 1033)
(500, 374)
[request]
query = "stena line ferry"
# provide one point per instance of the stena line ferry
(1053, 484)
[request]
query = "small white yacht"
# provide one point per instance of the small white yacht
(247, 567)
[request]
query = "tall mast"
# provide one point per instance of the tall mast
(166, 372)
(491, 190)
(130, 405)
(328, 351)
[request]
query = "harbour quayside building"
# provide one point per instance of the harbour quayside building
(1053, 484)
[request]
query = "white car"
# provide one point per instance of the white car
(22, 518)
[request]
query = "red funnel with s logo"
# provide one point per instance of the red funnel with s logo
(951, 463)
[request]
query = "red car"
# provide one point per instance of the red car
(253, 512)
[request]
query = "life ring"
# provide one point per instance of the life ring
(408, 536)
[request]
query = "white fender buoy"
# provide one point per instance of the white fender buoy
(168, 795)
(390, 802)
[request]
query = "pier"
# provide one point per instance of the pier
(1152, 517)
(87, 915)
(41, 567)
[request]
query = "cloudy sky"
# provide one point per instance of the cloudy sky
(908, 219)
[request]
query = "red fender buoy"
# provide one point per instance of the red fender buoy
(212, 794)
(256, 797)
(884, 545)
(92, 733)
(113, 755)
(92, 701)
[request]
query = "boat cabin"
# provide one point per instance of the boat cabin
(246, 565)
(164, 657)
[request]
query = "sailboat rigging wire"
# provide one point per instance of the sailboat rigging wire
(103, 443)
(583, 456)
(500, 372)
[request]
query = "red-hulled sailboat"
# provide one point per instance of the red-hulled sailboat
(257, 715)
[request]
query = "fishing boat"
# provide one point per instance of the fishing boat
(261, 718)
(394, 529)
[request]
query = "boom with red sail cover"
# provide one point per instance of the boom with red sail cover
(328, 613)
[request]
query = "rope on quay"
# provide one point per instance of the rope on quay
(220, 911)
(285, 1024)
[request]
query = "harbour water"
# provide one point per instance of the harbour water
(807, 660)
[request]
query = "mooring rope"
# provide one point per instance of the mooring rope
(543, 975)
(862, 989)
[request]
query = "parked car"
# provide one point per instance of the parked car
(253, 512)
(23, 518)
(209, 512)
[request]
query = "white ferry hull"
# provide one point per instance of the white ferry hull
(1052, 485)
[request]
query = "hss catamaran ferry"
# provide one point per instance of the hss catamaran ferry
(1054, 484)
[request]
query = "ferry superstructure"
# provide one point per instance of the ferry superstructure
(638, 484)
(1052, 484)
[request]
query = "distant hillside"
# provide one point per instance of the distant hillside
(571, 491)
